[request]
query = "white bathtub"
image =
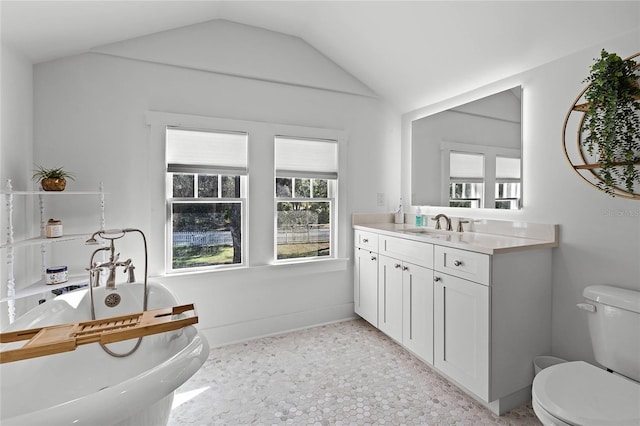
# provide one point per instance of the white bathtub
(89, 387)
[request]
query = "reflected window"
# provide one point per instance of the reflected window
(466, 182)
(508, 183)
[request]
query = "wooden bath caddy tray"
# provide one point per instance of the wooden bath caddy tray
(67, 337)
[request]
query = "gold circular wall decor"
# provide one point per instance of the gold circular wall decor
(586, 165)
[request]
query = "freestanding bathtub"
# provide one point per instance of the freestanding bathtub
(89, 387)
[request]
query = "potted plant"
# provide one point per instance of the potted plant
(53, 179)
(612, 122)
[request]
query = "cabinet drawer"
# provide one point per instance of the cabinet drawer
(366, 240)
(464, 264)
(407, 250)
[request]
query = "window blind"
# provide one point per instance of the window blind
(306, 158)
(199, 151)
(466, 166)
(507, 168)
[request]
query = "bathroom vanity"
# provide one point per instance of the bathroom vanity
(474, 305)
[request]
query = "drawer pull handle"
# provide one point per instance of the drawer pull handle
(457, 262)
(436, 279)
(397, 265)
(373, 258)
(405, 268)
(365, 240)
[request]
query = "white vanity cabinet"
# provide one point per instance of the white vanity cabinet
(365, 288)
(390, 297)
(405, 285)
(417, 311)
(461, 332)
(491, 319)
(478, 315)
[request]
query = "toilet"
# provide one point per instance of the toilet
(578, 393)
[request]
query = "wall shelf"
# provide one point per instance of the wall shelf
(585, 164)
(40, 286)
(43, 240)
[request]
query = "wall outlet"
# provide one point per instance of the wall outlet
(381, 202)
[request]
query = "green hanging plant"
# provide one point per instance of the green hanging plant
(612, 121)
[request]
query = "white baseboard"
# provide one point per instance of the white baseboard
(248, 330)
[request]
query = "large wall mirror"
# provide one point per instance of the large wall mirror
(471, 155)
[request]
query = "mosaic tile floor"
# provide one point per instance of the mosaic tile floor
(338, 374)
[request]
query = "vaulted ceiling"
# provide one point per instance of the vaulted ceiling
(411, 53)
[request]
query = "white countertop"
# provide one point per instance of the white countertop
(472, 241)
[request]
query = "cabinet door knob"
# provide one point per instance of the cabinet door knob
(405, 268)
(373, 258)
(397, 265)
(365, 240)
(457, 262)
(436, 278)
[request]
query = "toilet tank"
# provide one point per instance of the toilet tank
(615, 328)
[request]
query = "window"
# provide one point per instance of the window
(466, 179)
(305, 194)
(206, 181)
(507, 182)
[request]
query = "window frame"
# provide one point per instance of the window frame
(259, 215)
(489, 179)
(197, 171)
(332, 189)
(329, 172)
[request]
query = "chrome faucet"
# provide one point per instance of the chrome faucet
(460, 227)
(95, 268)
(111, 266)
(440, 216)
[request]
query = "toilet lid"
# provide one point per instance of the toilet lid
(582, 394)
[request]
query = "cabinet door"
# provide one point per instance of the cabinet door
(365, 286)
(461, 332)
(417, 311)
(390, 297)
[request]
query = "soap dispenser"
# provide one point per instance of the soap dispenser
(419, 219)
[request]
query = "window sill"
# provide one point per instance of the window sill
(310, 266)
(304, 267)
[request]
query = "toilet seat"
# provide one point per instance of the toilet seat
(577, 393)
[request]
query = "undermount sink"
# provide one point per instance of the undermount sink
(430, 232)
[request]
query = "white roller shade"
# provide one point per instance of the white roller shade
(507, 168)
(196, 151)
(466, 166)
(310, 158)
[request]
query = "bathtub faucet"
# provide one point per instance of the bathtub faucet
(112, 266)
(95, 268)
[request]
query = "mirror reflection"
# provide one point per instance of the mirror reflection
(471, 155)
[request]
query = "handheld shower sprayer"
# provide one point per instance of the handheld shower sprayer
(95, 271)
(108, 234)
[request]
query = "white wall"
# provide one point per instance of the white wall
(90, 116)
(16, 154)
(17, 118)
(599, 235)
